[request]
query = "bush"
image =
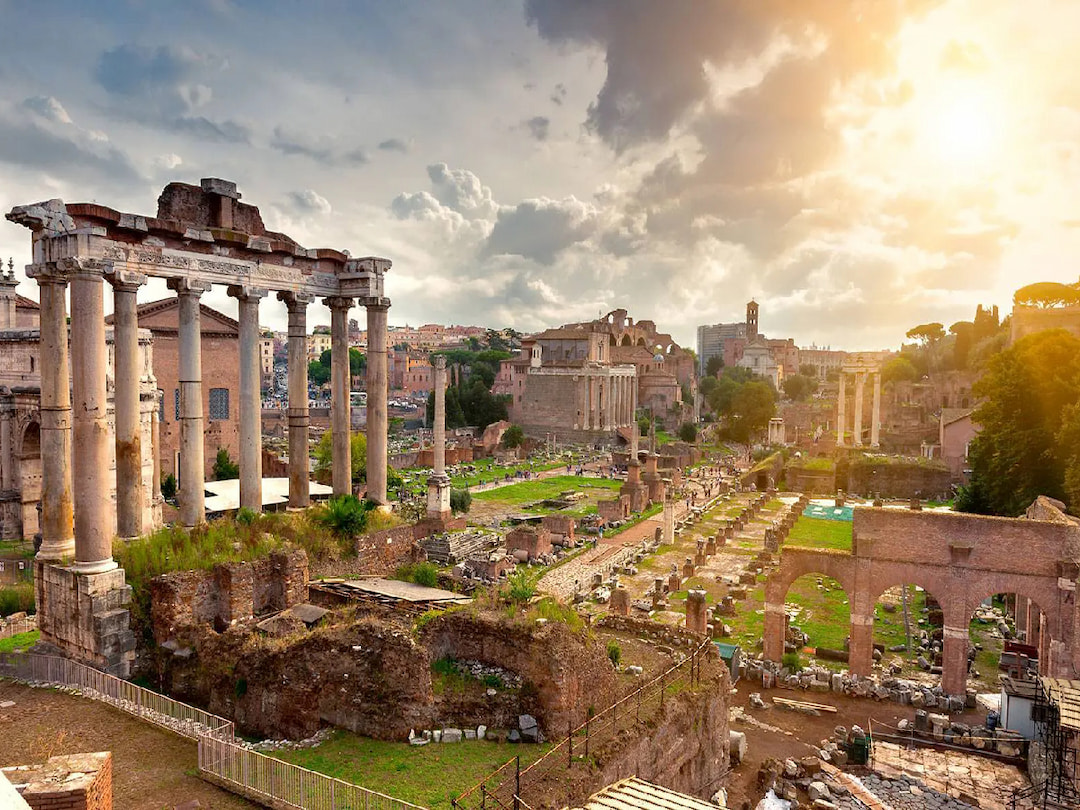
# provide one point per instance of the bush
(168, 487)
(424, 573)
(688, 432)
(460, 500)
(246, 516)
(522, 588)
(16, 598)
(513, 437)
(345, 516)
(792, 661)
(224, 467)
(614, 652)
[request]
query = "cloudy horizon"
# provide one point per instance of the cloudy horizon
(856, 167)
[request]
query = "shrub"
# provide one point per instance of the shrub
(423, 573)
(246, 516)
(522, 588)
(16, 598)
(460, 500)
(345, 516)
(614, 652)
(224, 467)
(792, 661)
(688, 432)
(513, 437)
(168, 487)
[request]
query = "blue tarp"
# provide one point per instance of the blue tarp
(820, 512)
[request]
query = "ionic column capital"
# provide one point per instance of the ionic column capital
(46, 274)
(295, 300)
(245, 292)
(189, 286)
(339, 302)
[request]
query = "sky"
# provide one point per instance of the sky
(856, 166)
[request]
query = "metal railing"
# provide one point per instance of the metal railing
(507, 786)
(185, 720)
(278, 783)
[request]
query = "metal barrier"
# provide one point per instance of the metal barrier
(261, 778)
(506, 786)
(185, 720)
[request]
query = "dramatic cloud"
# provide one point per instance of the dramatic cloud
(540, 229)
(319, 148)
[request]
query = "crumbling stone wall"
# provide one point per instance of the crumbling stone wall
(228, 593)
(899, 479)
(383, 551)
(570, 671)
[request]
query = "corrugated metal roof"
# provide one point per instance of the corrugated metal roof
(637, 794)
(1019, 687)
(1066, 696)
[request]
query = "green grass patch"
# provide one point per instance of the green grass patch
(547, 488)
(815, 464)
(19, 641)
(17, 598)
(430, 775)
(817, 533)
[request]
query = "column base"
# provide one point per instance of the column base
(95, 567)
(61, 552)
(84, 615)
(438, 497)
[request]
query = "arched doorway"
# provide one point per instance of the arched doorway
(29, 478)
(626, 341)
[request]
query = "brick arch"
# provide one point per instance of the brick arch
(931, 580)
(798, 562)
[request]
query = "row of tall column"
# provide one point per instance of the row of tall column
(75, 451)
(608, 401)
(841, 409)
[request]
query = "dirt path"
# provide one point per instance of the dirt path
(152, 768)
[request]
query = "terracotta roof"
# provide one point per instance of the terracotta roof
(562, 333)
(950, 415)
(152, 307)
(26, 303)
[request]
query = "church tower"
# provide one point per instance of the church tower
(751, 321)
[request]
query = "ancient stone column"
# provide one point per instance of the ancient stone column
(299, 464)
(155, 450)
(438, 504)
(250, 397)
(192, 461)
(376, 399)
(340, 392)
(875, 417)
(7, 448)
(841, 407)
(697, 617)
(668, 519)
(860, 386)
(126, 374)
(609, 402)
(57, 531)
(89, 365)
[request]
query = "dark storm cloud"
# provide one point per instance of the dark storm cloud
(538, 127)
(132, 70)
(26, 143)
(541, 229)
(320, 149)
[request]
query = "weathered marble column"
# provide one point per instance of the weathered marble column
(860, 382)
(57, 530)
(609, 402)
(192, 496)
(250, 397)
(90, 462)
(127, 373)
(586, 413)
(299, 459)
(376, 398)
(438, 505)
(875, 417)
(7, 448)
(841, 407)
(340, 387)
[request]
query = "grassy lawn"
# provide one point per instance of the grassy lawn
(429, 775)
(542, 489)
(817, 533)
(19, 641)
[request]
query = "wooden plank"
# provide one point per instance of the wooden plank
(802, 704)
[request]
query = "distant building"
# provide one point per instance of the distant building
(317, 343)
(720, 340)
(823, 360)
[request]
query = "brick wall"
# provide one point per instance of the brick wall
(71, 782)
(381, 552)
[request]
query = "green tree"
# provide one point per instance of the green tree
(723, 395)
(1029, 394)
(753, 406)
(1047, 295)
(513, 437)
(899, 369)
(964, 333)
(688, 432)
(168, 486)
(808, 370)
(714, 364)
(357, 362)
(799, 387)
(707, 386)
(324, 455)
(317, 373)
(224, 467)
(927, 333)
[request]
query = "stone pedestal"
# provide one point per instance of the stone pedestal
(653, 480)
(688, 568)
(634, 489)
(620, 602)
(85, 616)
(674, 581)
(438, 498)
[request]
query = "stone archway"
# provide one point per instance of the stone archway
(29, 477)
(626, 341)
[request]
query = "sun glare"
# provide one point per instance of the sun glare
(961, 127)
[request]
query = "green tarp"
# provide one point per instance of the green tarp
(820, 512)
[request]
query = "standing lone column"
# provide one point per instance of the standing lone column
(299, 464)
(860, 381)
(250, 397)
(438, 506)
(93, 533)
(841, 407)
(875, 417)
(340, 385)
(192, 461)
(129, 483)
(57, 534)
(376, 398)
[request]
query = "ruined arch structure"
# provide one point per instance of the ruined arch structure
(960, 559)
